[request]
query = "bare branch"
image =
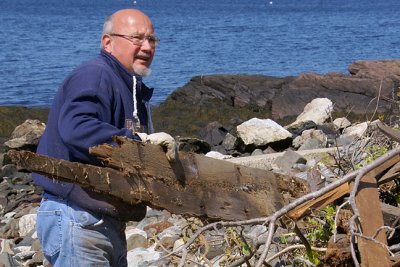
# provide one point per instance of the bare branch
(299, 246)
(336, 219)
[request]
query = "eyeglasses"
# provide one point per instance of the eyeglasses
(139, 39)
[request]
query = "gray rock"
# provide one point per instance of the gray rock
(159, 214)
(257, 152)
(313, 143)
(300, 167)
(260, 132)
(344, 140)
(378, 69)
(26, 135)
(195, 145)
(1, 161)
(315, 180)
(136, 238)
(38, 260)
(310, 139)
(23, 253)
(257, 233)
(297, 129)
(7, 246)
(229, 142)
(219, 149)
(341, 123)
(213, 133)
(36, 246)
(318, 111)
(288, 159)
(356, 131)
(169, 236)
(217, 155)
(141, 257)
(9, 170)
(7, 260)
(178, 220)
(26, 224)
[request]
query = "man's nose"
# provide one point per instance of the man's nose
(146, 45)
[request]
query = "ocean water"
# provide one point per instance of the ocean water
(44, 40)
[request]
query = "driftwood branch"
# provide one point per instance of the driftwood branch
(195, 186)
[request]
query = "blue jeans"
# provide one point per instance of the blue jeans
(71, 236)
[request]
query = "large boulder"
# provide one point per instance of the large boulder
(318, 111)
(259, 132)
(379, 69)
(26, 135)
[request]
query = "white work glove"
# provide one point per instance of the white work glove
(166, 141)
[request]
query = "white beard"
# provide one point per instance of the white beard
(142, 71)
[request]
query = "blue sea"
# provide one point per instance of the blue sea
(43, 40)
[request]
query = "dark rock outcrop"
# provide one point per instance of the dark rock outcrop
(223, 97)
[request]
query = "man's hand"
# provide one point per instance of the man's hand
(166, 141)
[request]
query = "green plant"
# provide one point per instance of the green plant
(283, 239)
(322, 228)
(236, 240)
(373, 153)
(320, 231)
(313, 256)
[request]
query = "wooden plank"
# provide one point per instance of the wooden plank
(320, 202)
(371, 218)
(390, 175)
(390, 214)
(138, 173)
(367, 201)
(388, 131)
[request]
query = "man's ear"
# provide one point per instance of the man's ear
(106, 43)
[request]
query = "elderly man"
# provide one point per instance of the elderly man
(101, 98)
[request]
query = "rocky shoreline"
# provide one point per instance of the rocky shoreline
(371, 87)
(231, 117)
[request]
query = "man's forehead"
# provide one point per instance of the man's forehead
(138, 25)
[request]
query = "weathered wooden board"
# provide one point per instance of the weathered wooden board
(388, 131)
(319, 202)
(392, 174)
(371, 218)
(367, 200)
(194, 185)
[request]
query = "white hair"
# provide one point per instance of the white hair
(107, 28)
(108, 25)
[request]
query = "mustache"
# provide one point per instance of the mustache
(143, 55)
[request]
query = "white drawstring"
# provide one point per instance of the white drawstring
(135, 116)
(136, 121)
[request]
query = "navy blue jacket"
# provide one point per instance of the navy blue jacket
(89, 108)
